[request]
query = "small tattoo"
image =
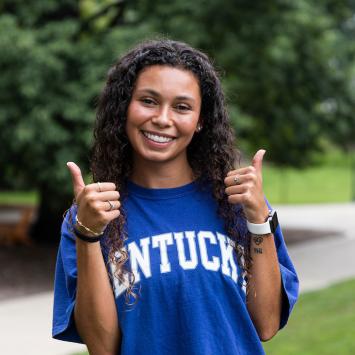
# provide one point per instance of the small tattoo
(258, 250)
(258, 240)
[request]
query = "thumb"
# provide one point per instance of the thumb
(257, 162)
(77, 178)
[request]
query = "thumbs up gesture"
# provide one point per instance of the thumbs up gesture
(98, 203)
(245, 186)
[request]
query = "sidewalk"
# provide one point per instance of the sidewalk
(25, 323)
(25, 328)
(322, 261)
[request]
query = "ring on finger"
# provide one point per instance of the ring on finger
(236, 179)
(112, 206)
(99, 187)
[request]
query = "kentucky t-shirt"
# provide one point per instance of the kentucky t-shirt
(191, 292)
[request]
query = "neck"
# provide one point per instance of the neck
(161, 174)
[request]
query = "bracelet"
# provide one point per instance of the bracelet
(86, 228)
(85, 238)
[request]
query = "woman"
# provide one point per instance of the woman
(171, 250)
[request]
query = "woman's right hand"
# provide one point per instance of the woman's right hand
(94, 210)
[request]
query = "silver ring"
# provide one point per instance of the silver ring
(236, 179)
(99, 186)
(112, 206)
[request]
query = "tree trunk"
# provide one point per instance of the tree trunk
(352, 174)
(46, 228)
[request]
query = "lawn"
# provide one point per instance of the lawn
(18, 197)
(322, 323)
(328, 181)
(321, 184)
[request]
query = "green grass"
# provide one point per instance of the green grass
(16, 197)
(321, 184)
(328, 181)
(322, 323)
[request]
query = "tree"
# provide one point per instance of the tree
(288, 74)
(284, 64)
(53, 64)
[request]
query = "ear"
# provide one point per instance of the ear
(199, 126)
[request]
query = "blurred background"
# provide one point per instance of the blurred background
(288, 71)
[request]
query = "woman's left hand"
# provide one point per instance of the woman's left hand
(245, 186)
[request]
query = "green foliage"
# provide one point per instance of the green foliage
(52, 73)
(320, 324)
(287, 69)
(53, 60)
(41, 96)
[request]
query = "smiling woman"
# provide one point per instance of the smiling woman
(161, 121)
(173, 249)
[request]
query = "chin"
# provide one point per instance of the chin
(157, 157)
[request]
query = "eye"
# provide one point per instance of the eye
(182, 107)
(147, 101)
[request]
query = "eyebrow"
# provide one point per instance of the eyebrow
(156, 94)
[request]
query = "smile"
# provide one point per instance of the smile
(156, 138)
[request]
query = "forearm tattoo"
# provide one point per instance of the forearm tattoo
(258, 240)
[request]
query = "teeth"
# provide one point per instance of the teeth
(158, 139)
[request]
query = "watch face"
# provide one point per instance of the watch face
(274, 222)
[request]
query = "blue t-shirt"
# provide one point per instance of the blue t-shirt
(191, 294)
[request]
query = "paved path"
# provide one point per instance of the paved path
(322, 261)
(25, 323)
(25, 328)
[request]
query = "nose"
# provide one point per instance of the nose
(163, 118)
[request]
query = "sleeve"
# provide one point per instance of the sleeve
(290, 282)
(63, 327)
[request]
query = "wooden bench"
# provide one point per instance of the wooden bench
(15, 221)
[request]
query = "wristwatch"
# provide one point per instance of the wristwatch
(264, 228)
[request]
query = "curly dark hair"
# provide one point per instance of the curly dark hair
(211, 152)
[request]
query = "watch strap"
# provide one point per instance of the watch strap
(264, 228)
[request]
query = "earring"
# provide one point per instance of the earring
(198, 128)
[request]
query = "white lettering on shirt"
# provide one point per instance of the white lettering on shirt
(161, 241)
(215, 253)
(140, 258)
(213, 264)
(186, 264)
(227, 257)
